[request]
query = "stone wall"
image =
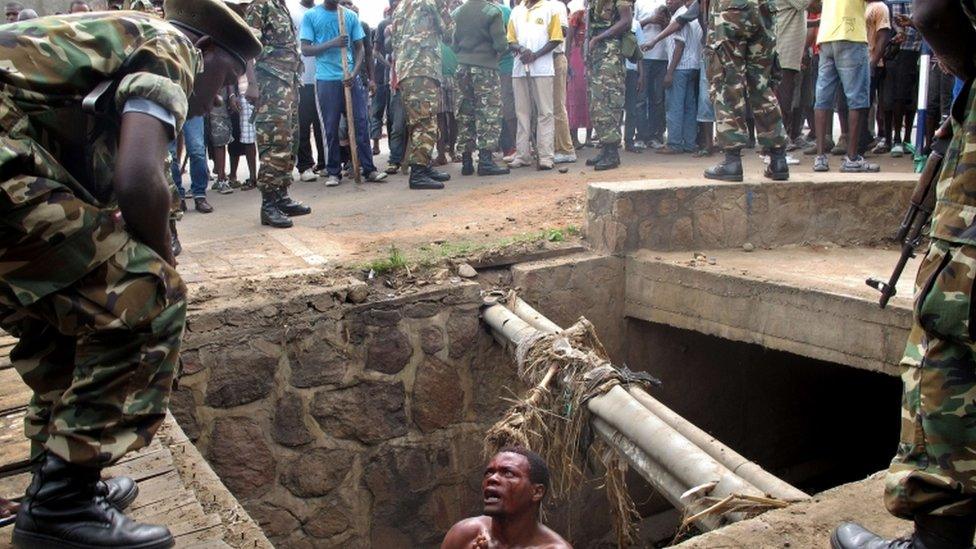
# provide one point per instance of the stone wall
(667, 215)
(354, 425)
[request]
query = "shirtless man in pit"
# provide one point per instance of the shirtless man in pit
(516, 481)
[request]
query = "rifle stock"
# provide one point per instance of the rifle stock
(916, 219)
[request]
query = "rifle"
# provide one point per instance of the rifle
(915, 221)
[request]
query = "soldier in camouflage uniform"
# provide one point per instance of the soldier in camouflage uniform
(274, 92)
(605, 71)
(88, 105)
(418, 28)
(740, 41)
(932, 478)
(479, 41)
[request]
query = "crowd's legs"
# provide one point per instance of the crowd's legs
(332, 105)
(534, 93)
(378, 107)
(396, 130)
(506, 142)
(654, 71)
(478, 118)
(421, 100)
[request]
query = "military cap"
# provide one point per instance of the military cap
(214, 19)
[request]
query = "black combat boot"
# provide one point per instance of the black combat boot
(487, 166)
(611, 158)
(63, 508)
(270, 214)
(467, 164)
(420, 178)
(119, 491)
(290, 207)
(931, 532)
(729, 170)
(778, 169)
(174, 242)
(596, 159)
(438, 175)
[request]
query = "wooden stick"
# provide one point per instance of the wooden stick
(350, 119)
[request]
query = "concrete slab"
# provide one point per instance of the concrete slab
(809, 524)
(810, 301)
(844, 209)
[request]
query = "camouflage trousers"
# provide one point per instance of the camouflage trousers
(421, 101)
(741, 43)
(606, 77)
(479, 109)
(276, 126)
(933, 471)
(100, 353)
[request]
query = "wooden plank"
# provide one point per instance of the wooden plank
(206, 544)
(191, 510)
(13, 392)
(197, 524)
(144, 467)
(13, 486)
(14, 446)
(142, 511)
(158, 488)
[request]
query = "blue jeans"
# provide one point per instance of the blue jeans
(196, 150)
(654, 71)
(682, 98)
(332, 105)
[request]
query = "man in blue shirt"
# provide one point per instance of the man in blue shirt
(320, 38)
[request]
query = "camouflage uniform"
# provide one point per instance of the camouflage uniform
(606, 74)
(98, 315)
(278, 71)
(479, 110)
(419, 27)
(741, 42)
(933, 472)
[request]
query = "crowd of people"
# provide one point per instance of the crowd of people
(498, 87)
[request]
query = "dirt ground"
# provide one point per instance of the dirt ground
(352, 226)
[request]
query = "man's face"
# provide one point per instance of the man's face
(12, 13)
(506, 488)
(673, 5)
(80, 8)
(220, 69)
(349, 6)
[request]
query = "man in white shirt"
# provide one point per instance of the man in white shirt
(681, 83)
(653, 17)
(308, 116)
(534, 31)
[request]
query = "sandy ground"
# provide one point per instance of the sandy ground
(351, 225)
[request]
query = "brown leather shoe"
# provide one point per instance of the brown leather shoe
(202, 205)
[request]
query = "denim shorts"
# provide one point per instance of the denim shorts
(845, 63)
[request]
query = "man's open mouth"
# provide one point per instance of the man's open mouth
(492, 496)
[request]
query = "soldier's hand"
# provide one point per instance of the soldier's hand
(253, 93)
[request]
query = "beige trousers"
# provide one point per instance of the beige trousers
(534, 91)
(563, 140)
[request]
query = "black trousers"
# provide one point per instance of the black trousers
(308, 117)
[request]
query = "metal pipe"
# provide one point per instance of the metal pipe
(732, 460)
(738, 464)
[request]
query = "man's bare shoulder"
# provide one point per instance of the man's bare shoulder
(554, 540)
(466, 531)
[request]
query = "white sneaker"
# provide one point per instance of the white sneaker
(898, 150)
(510, 157)
(561, 158)
(332, 181)
(222, 186)
(655, 144)
(517, 163)
(308, 175)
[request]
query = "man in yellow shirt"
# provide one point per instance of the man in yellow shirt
(534, 31)
(843, 41)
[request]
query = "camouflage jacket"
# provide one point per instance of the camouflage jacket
(419, 27)
(954, 218)
(49, 146)
(603, 13)
(280, 57)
